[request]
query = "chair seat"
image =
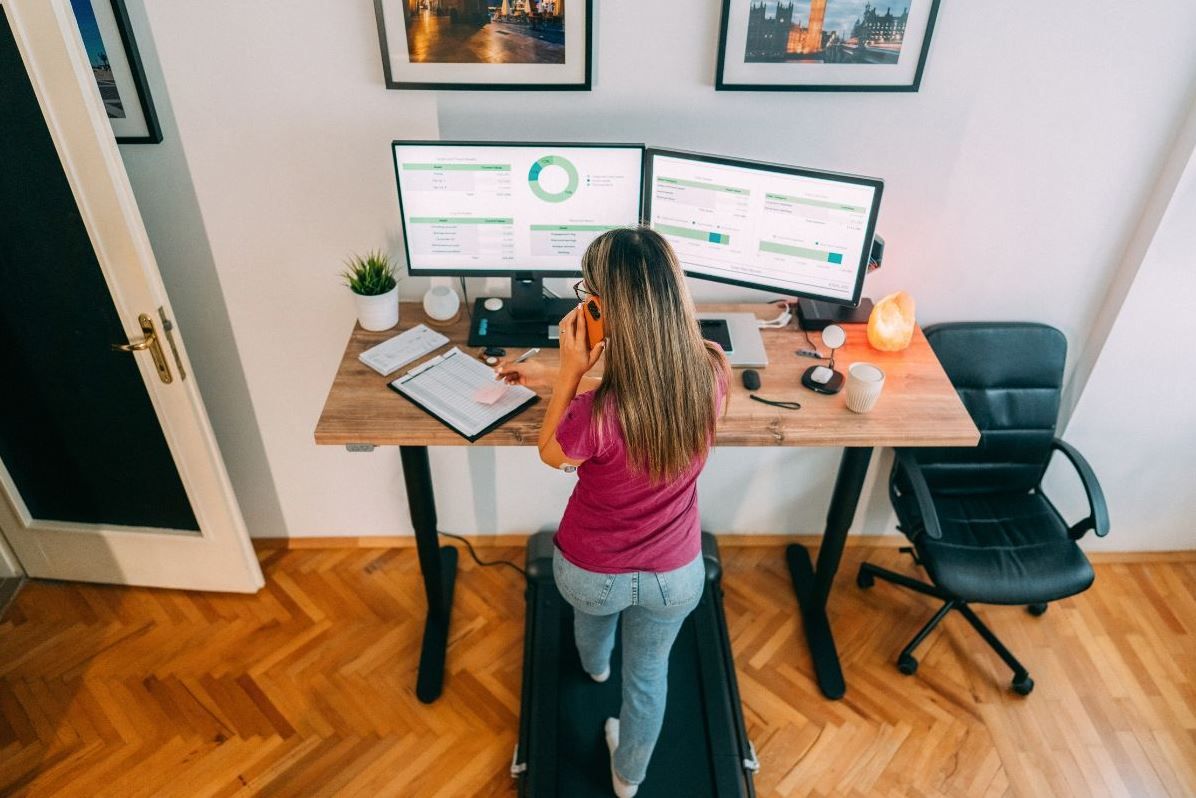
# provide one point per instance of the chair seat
(999, 548)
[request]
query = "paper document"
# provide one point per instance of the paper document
(446, 387)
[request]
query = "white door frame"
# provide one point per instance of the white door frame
(9, 565)
(220, 557)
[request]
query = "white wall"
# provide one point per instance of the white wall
(1134, 420)
(1013, 180)
(284, 127)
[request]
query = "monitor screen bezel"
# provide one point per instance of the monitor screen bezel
(861, 269)
(500, 271)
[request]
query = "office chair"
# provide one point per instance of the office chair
(977, 518)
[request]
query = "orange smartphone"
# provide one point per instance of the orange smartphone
(595, 331)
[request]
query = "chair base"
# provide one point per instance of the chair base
(907, 663)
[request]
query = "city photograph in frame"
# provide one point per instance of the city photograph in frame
(824, 45)
(485, 44)
(112, 52)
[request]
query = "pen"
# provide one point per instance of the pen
(535, 350)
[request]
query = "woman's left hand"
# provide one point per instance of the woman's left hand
(576, 356)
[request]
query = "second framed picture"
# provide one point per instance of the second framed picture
(485, 44)
(108, 39)
(824, 45)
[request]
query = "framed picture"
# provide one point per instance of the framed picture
(485, 44)
(824, 45)
(112, 51)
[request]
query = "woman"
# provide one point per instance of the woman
(630, 541)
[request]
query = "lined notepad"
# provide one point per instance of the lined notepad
(445, 386)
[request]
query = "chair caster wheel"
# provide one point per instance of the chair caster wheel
(1036, 609)
(907, 665)
(1024, 685)
(864, 579)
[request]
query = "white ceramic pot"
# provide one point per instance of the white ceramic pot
(377, 313)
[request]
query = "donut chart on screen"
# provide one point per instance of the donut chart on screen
(533, 178)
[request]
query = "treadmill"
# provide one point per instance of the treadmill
(703, 748)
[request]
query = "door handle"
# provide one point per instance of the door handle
(144, 343)
(149, 342)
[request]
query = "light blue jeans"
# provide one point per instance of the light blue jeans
(653, 606)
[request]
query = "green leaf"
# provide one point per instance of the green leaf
(370, 275)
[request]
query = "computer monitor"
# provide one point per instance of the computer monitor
(792, 231)
(523, 210)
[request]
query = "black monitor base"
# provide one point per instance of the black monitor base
(812, 315)
(501, 328)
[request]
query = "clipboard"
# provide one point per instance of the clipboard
(444, 386)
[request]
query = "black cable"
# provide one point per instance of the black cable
(465, 297)
(480, 561)
(775, 403)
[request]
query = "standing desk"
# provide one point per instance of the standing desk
(919, 407)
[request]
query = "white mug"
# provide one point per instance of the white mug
(864, 384)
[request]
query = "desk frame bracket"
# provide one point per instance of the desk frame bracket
(437, 564)
(813, 586)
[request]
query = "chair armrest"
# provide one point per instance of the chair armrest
(1098, 518)
(913, 472)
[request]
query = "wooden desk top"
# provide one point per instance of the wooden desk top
(918, 407)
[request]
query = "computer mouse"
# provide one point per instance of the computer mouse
(751, 379)
(493, 303)
(821, 375)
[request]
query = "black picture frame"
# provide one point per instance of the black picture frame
(134, 82)
(393, 81)
(720, 83)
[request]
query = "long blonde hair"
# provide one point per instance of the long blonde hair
(660, 371)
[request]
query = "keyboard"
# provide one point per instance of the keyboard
(391, 355)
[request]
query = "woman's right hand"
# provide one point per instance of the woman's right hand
(576, 356)
(529, 373)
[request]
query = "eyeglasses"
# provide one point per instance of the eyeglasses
(582, 292)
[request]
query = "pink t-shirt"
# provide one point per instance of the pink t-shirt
(617, 521)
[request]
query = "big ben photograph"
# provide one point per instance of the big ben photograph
(824, 45)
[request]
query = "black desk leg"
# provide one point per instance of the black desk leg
(814, 587)
(437, 563)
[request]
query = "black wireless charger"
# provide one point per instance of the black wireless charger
(816, 378)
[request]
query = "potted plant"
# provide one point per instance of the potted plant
(375, 287)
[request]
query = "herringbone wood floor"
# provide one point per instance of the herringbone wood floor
(306, 688)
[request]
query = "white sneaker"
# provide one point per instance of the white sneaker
(622, 788)
(601, 677)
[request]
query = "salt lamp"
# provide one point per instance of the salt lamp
(891, 325)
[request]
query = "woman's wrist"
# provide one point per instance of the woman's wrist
(567, 381)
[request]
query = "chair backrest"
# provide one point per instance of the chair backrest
(1009, 376)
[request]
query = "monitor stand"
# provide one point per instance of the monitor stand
(813, 315)
(526, 319)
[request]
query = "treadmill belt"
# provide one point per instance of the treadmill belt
(702, 746)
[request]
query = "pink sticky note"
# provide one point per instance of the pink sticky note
(490, 394)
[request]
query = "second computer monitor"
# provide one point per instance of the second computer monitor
(505, 209)
(793, 231)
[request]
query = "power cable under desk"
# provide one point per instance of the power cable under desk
(480, 561)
